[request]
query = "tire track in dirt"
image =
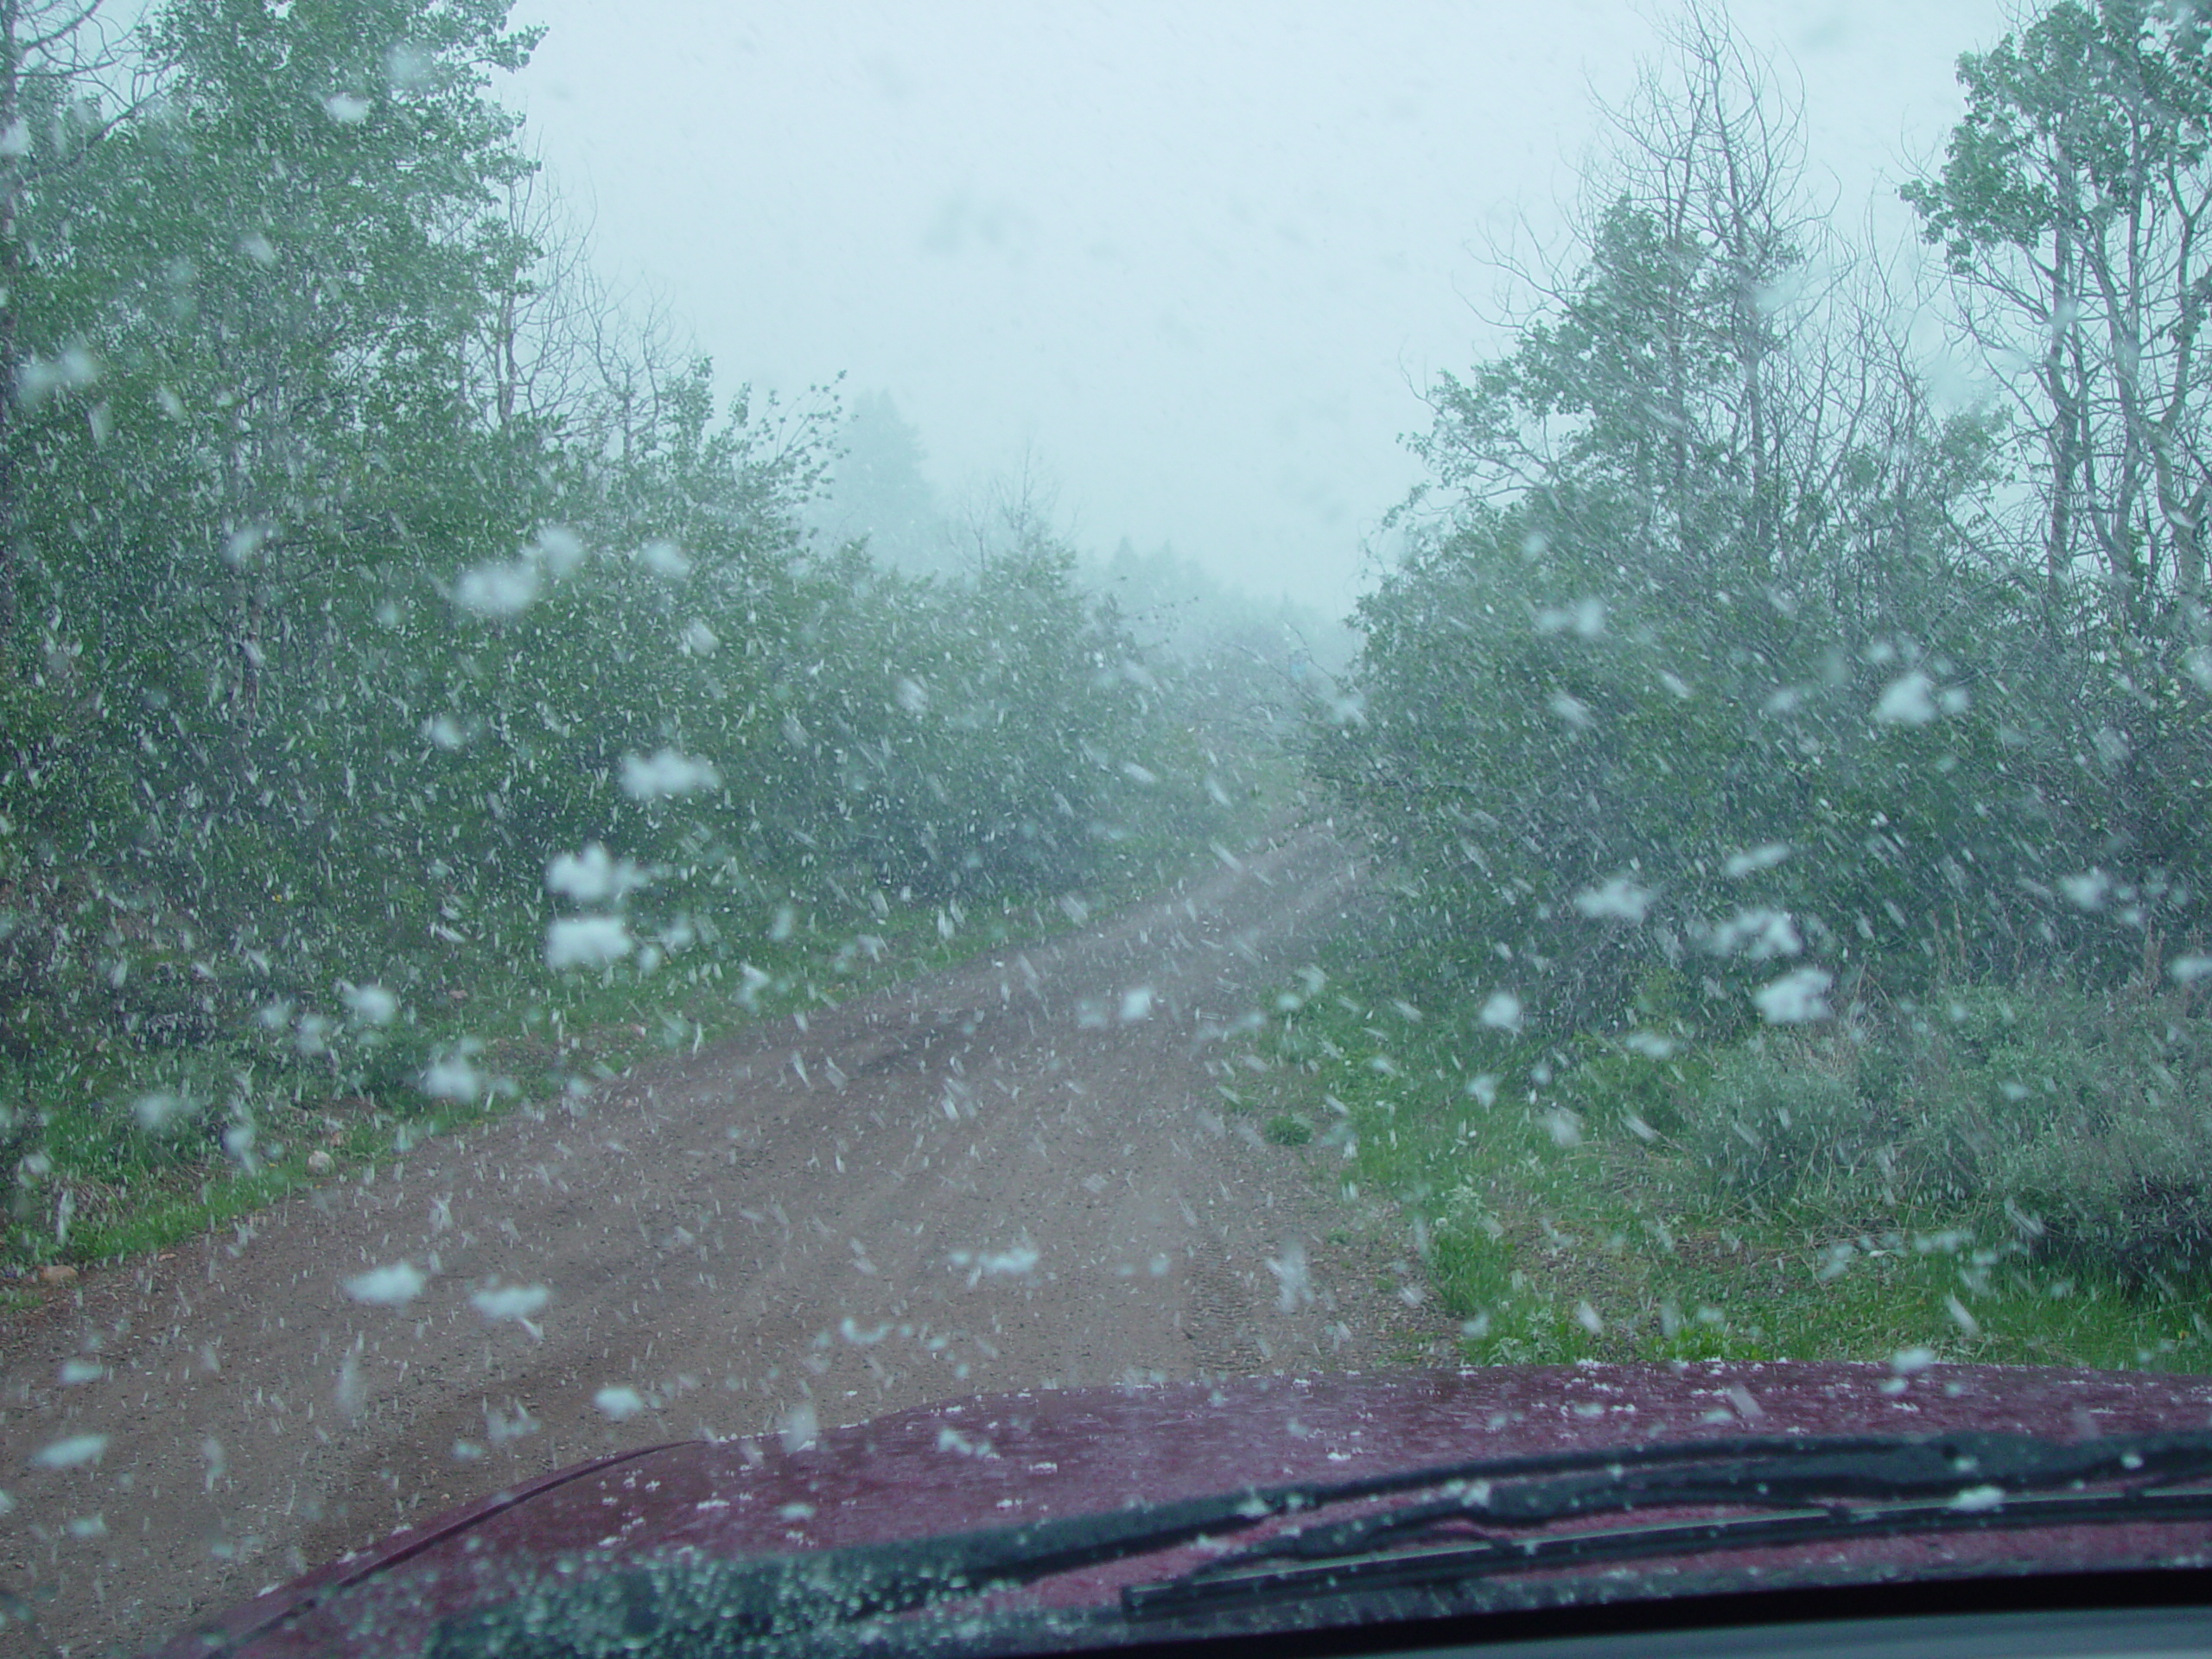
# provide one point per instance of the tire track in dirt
(985, 1178)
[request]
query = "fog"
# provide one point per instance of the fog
(1195, 267)
(519, 944)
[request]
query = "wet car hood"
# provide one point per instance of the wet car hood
(998, 1460)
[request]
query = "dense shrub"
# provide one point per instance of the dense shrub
(2079, 1123)
(1771, 1130)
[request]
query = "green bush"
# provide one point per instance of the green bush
(1644, 1091)
(1768, 1124)
(2080, 1124)
(2087, 1121)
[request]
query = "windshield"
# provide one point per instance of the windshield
(718, 721)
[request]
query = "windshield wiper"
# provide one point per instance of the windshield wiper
(1973, 1482)
(615, 1610)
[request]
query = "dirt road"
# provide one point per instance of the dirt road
(1019, 1174)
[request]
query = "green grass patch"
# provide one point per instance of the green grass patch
(116, 1150)
(1580, 1199)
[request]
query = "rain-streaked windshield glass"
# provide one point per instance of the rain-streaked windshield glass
(716, 719)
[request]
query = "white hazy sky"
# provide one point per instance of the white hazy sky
(1197, 256)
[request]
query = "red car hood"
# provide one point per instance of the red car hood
(997, 1460)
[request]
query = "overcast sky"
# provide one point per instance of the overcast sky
(1197, 256)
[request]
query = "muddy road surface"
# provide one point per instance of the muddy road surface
(1021, 1173)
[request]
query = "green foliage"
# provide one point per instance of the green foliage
(2077, 1124)
(1730, 706)
(1564, 1210)
(1769, 1129)
(2093, 116)
(1609, 787)
(2087, 1119)
(1690, 669)
(374, 671)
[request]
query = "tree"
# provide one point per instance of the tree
(51, 56)
(242, 425)
(1699, 572)
(1650, 374)
(364, 533)
(2072, 208)
(879, 492)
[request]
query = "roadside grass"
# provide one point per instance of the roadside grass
(233, 1126)
(1560, 1212)
(248, 1118)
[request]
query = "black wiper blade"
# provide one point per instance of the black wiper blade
(1760, 1475)
(614, 1610)
(610, 1610)
(1978, 1476)
(1257, 1581)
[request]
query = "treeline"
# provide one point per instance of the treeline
(1736, 686)
(381, 610)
